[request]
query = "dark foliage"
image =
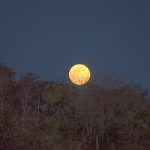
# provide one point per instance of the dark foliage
(52, 115)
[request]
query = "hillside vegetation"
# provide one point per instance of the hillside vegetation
(51, 115)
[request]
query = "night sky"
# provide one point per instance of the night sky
(47, 37)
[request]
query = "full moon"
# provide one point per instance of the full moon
(79, 74)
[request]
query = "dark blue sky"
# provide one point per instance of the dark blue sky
(46, 37)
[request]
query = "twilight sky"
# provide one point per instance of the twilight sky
(46, 37)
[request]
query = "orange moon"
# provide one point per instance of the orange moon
(79, 74)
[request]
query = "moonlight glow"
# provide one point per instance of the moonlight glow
(79, 74)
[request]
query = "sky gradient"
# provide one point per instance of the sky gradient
(47, 37)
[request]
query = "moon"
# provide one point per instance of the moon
(79, 74)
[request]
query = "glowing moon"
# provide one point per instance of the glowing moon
(79, 74)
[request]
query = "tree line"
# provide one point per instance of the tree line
(51, 115)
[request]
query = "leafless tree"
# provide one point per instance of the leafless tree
(24, 93)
